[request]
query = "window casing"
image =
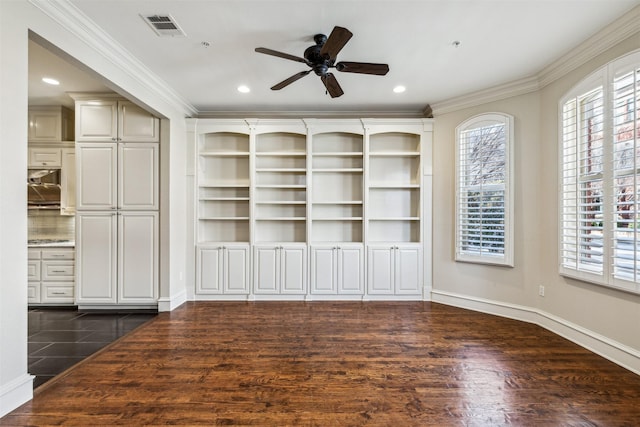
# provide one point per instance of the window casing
(484, 195)
(600, 177)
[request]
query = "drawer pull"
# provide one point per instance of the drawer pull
(58, 271)
(58, 293)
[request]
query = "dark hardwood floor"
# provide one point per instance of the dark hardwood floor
(337, 364)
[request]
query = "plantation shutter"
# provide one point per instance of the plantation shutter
(582, 222)
(482, 192)
(626, 165)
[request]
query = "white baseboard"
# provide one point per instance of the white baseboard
(15, 393)
(173, 302)
(620, 354)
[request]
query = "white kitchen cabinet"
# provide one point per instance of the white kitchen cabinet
(223, 269)
(117, 260)
(138, 176)
(68, 182)
(280, 270)
(96, 263)
(50, 124)
(138, 250)
(337, 269)
(44, 157)
(51, 276)
(394, 270)
(103, 120)
(122, 176)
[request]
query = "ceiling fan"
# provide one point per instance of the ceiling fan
(322, 56)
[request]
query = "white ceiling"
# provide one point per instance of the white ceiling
(500, 41)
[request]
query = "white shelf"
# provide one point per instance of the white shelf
(224, 199)
(281, 202)
(338, 154)
(391, 186)
(223, 153)
(339, 202)
(287, 170)
(394, 154)
(281, 153)
(281, 186)
(399, 218)
(342, 170)
(222, 185)
(284, 218)
(355, 218)
(224, 218)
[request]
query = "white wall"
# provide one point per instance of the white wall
(17, 17)
(598, 318)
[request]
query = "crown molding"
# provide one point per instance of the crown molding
(614, 33)
(299, 114)
(495, 93)
(77, 23)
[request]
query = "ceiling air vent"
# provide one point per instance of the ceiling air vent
(164, 25)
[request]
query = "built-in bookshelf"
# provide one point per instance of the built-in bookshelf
(311, 208)
(337, 202)
(393, 203)
(280, 187)
(223, 188)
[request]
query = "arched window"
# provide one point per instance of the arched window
(600, 177)
(484, 196)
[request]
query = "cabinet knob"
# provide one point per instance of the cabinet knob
(114, 139)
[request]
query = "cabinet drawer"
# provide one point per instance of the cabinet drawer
(34, 253)
(48, 157)
(33, 270)
(56, 293)
(54, 270)
(33, 292)
(58, 254)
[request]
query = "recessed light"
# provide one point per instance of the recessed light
(244, 89)
(399, 89)
(49, 80)
(456, 43)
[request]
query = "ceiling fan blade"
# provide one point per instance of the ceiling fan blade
(272, 52)
(363, 68)
(335, 42)
(332, 85)
(290, 80)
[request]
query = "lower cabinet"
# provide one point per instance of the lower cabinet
(51, 276)
(394, 270)
(280, 270)
(223, 269)
(117, 258)
(337, 270)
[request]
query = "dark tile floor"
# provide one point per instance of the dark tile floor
(60, 338)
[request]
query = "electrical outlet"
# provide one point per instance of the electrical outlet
(541, 290)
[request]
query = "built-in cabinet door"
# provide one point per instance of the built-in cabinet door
(380, 271)
(407, 270)
(223, 270)
(96, 172)
(280, 269)
(394, 270)
(137, 257)
(45, 126)
(136, 125)
(323, 270)
(266, 271)
(293, 270)
(236, 269)
(96, 257)
(350, 270)
(138, 176)
(97, 121)
(68, 184)
(209, 274)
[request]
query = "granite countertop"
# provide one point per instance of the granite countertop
(51, 243)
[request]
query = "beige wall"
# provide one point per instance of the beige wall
(593, 309)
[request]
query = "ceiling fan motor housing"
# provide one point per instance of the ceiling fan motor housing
(319, 63)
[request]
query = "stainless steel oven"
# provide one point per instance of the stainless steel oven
(43, 189)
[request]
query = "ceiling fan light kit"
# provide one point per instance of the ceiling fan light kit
(321, 57)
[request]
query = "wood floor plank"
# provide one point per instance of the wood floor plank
(337, 363)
